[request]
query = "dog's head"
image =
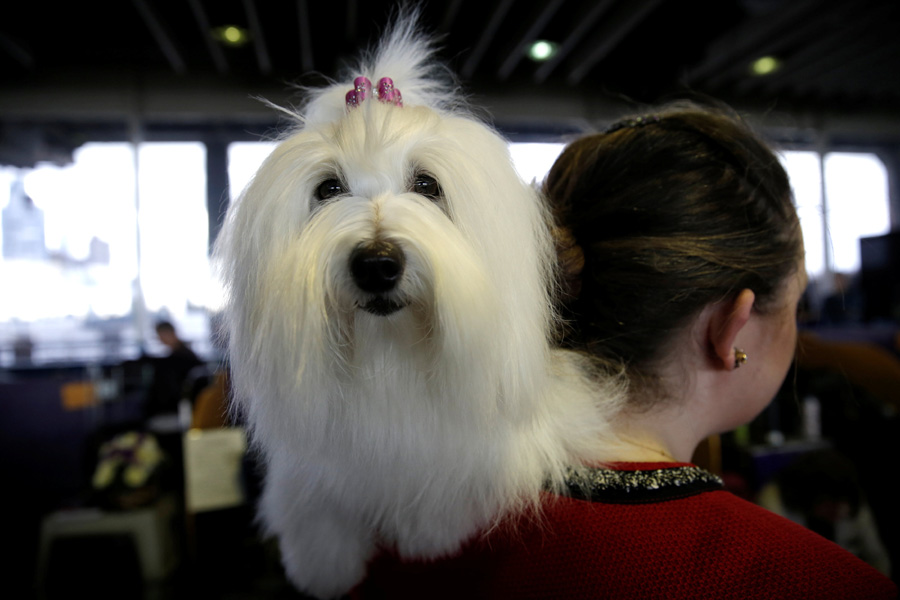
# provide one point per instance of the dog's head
(380, 221)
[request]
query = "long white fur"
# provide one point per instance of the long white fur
(418, 429)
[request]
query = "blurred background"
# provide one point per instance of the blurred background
(127, 127)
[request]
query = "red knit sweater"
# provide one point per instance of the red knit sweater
(689, 542)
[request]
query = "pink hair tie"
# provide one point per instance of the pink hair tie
(388, 93)
(361, 88)
(385, 92)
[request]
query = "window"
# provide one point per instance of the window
(804, 171)
(90, 258)
(856, 204)
(533, 161)
(174, 228)
(244, 158)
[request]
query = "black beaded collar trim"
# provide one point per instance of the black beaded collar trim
(639, 487)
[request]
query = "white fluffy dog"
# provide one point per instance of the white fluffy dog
(389, 282)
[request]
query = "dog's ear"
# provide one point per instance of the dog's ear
(406, 54)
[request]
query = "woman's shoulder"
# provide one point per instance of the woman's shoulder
(708, 545)
(717, 544)
(747, 545)
(798, 558)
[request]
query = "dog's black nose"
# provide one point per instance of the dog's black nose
(378, 267)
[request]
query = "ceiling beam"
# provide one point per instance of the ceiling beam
(861, 67)
(584, 23)
(450, 13)
(258, 37)
(351, 20)
(820, 56)
(883, 71)
(605, 39)
(736, 44)
(777, 45)
(215, 50)
(161, 35)
(307, 62)
(17, 52)
(488, 33)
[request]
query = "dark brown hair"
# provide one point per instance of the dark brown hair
(659, 217)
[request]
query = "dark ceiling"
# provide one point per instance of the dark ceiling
(83, 61)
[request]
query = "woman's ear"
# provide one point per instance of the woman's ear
(726, 321)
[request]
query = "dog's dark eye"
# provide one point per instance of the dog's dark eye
(329, 189)
(427, 186)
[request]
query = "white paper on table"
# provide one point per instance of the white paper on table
(212, 464)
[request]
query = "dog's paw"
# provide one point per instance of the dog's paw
(324, 557)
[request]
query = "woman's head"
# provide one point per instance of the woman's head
(661, 216)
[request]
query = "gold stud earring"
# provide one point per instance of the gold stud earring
(740, 357)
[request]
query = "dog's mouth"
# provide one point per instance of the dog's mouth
(382, 306)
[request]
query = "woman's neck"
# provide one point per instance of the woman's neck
(659, 434)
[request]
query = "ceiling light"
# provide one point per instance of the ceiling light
(765, 65)
(231, 35)
(542, 50)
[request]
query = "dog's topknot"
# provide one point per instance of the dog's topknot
(406, 54)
